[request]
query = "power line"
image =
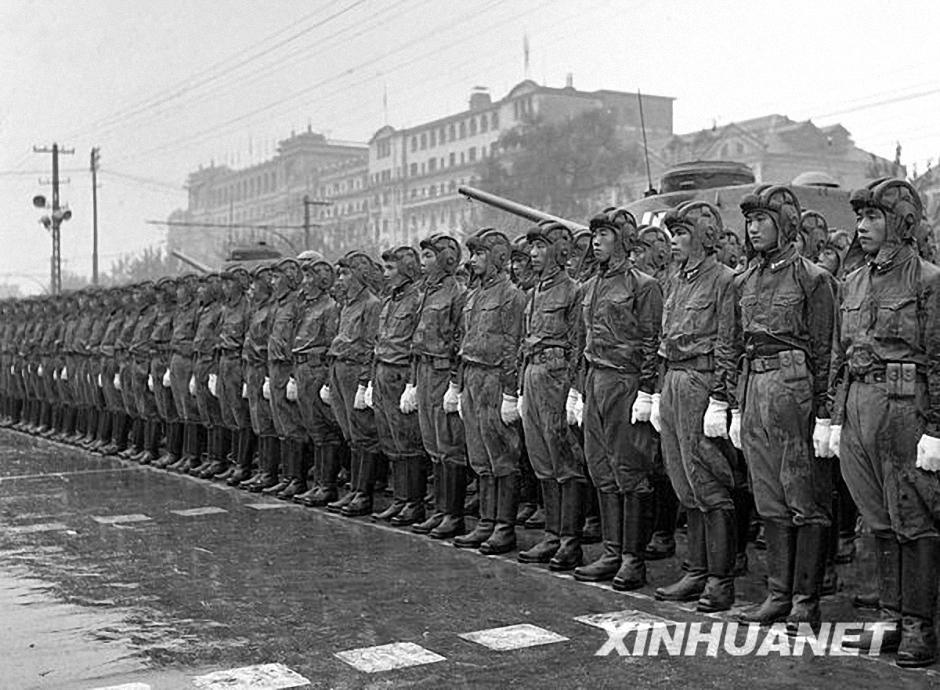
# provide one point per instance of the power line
(229, 226)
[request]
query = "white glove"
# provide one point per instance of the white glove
(266, 388)
(39, 370)
(715, 422)
(192, 385)
(460, 405)
(100, 381)
(116, 381)
(835, 440)
(150, 382)
(822, 433)
(367, 396)
(13, 369)
(64, 376)
(245, 391)
(734, 433)
(408, 403)
(520, 404)
(212, 383)
(359, 402)
(655, 418)
(166, 378)
(928, 453)
(571, 406)
(451, 398)
(291, 389)
(325, 396)
(509, 410)
(642, 408)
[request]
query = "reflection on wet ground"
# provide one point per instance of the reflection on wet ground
(88, 599)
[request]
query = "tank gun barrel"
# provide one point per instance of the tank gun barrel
(515, 208)
(198, 265)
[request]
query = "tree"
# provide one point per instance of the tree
(560, 166)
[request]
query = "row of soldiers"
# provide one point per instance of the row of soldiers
(593, 363)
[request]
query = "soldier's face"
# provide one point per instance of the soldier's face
(390, 270)
(681, 245)
(828, 260)
(343, 278)
(761, 231)
(870, 224)
(603, 243)
(538, 255)
(520, 267)
(428, 260)
(478, 260)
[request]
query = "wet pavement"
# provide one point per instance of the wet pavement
(103, 584)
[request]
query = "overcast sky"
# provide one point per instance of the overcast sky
(166, 85)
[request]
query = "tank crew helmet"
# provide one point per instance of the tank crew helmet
(289, 269)
(815, 233)
(310, 255)
(447, 250)
(319, 273)
(780, 204)
(900, 203)
(701, 220)
(495, 244)
(619, 221)
(407, 261)
(557, 236)
(364, 269)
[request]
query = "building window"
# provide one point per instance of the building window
(432, 135)
(453, 159)
(494, 121)
(463, 158)
(414, 143)
(472, 153)
(463, 130)
(452, 132)
(432, 165)
(484, 123)
(424, 141)
(414, 169)
(473, 126)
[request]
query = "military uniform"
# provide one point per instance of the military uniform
(205, 363)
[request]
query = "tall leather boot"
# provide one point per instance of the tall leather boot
(314, 474)
(605, 567)
(216, 462)
(743, 506)
(503, 539)
(121, 431)
(486, 491)
(45, 415)
(398, 473)
(569, 555)
(187, 452)
(692, 583)
(326, 490)
(592, 532)
(812, 543)
(781, 554)
(537, 519)
(528, 491)
(132, 439)
(637, 525)
(204, 461)
(920, 561)
(662, 544)
(243, 457)
(439, 484)
(720, 542)
(298, 477)
(361, 503)
(454, 479)
(269, 460)
(174, 445)
(283, 453)
(543, 551)
(344, 500)
(416, 482)
(149, 454)
(888, 565)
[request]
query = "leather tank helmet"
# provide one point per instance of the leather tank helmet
(447, 250)
(497, 248)
(407, 261)
(701, 220)
(557, 236)
(622, 223)
(900, 203)
(781, 205)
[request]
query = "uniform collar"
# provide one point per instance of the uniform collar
(703, 266)
(779, 259)
(884, 261)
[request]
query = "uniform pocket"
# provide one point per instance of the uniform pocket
(897, 319)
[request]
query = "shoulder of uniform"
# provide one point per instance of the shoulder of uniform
(930, 272)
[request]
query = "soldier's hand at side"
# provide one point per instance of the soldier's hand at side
(451, 398)
(290, 390)
(734, 431)
(367, 396)
(928, 453)
(150, 382)
(116, 381)
(642, 408)
(408, 403)
(715, 422)
(325, 394)
(655, 418)
(266, 388)
(509, 410)
(245, 391)
(822, 432)
(192, 385)
(213, 385)
(166, 378)
(359, 402)
(835, 440)
(571, 406)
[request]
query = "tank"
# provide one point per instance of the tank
(252, 255)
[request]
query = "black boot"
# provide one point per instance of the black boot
(808, 570)
(440, 501)
(218, 462)
(605, 567)
(662, 544)
(503, 539)
(569, 555)
(415, 484)
(246, 449)
(174, 445)
(337, 505)
(743, 505)
(888, 563)
(720, 542)
(592, 532)
(637, 524)
(399, 476)
(295, 464)
(920, 562)
(692, 583)
(274, 464)
(361, 503)
(781, 554)
(190, 449)
(327, 461)
(486, 490)
(454, 479)
(544, 550)
(537, 519)
(212, 454)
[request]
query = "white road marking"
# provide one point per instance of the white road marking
(125, 686)
(67, 474)
(513, 637)
(259, 677)
(116, 519)
(194, 512)
(269, 506)
(639, 620)
(38, 527)
(388, 657)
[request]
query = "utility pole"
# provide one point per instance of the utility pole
(55, 284)
(308, 202)
(95, 157)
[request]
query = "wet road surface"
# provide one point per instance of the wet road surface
(113, 574)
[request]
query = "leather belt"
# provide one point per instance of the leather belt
(697, 363)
